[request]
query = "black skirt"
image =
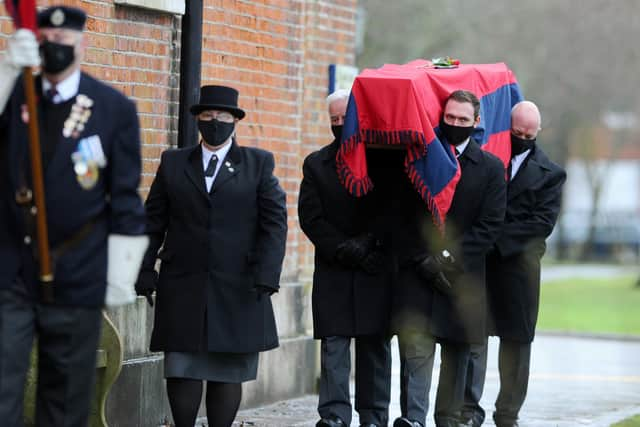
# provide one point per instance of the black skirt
(208, 366)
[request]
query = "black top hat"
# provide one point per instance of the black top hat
(62, 17)
(222, 98)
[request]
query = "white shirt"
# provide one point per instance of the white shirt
(221, 153)
(517, 161)
(67, 89)
(461, 147)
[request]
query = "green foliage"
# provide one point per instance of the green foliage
(591, 306)
(629, 422)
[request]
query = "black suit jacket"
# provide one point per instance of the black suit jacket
(513, 267)
(112, 205)
(472, 226)
(346, 301)
(217, 247)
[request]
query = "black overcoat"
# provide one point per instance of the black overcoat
(217, 247)
(472, 226)
(345, 301)
(513, 268)
(412, 234)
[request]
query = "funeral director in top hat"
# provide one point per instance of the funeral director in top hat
(220, 216)
(91, 165)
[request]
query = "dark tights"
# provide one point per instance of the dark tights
(223, 400)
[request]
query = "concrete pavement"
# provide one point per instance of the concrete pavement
(574, 382)
(586, 271)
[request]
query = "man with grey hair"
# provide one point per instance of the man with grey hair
(351, 286)
(513, 269)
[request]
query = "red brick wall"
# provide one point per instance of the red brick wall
(275, 52)
(329, 38)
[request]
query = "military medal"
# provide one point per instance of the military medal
(79, 116)
(89, 179)
(87, 160)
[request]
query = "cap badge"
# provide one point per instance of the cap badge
(57, 17)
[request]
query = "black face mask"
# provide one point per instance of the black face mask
(337, 132)
(519, 145)
(56, 57)
(455, 135)
(215, 132)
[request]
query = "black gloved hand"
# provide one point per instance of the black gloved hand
(146, 284)
(351, 252)
(372, 262)
(433, 268)
(442, 284)
(263, 290)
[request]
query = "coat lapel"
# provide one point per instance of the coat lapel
(531, 172)
(195, 170)
(330, 153)
(471, 153)
(230, 167)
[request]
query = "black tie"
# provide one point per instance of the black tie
(51, 93)
(211, 167)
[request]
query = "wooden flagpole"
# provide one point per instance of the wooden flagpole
(44, 256)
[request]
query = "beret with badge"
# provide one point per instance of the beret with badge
(62, 17)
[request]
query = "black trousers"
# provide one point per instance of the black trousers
(514, 360)
(373, 379)
(67, 339)
(451, 384)
(474, 385)
(513, 363)
(417, 349)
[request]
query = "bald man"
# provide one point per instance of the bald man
(513, 269)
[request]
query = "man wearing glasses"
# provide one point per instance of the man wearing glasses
(220, 216)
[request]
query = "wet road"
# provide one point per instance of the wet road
(574, 382)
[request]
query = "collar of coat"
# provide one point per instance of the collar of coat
(195, 171)
(233, 155)
(532, 171)
(331, 151)
(473, 151)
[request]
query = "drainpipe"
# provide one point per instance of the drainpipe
(190, 66)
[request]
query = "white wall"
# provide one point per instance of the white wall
(619, 205)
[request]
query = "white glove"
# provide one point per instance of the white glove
(125, 255)
(22, 51)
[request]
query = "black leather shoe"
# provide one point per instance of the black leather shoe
(453, 423)
(332, 421)
(508, 422)
(406, 422)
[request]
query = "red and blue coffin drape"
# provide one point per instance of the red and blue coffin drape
(402, 104)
